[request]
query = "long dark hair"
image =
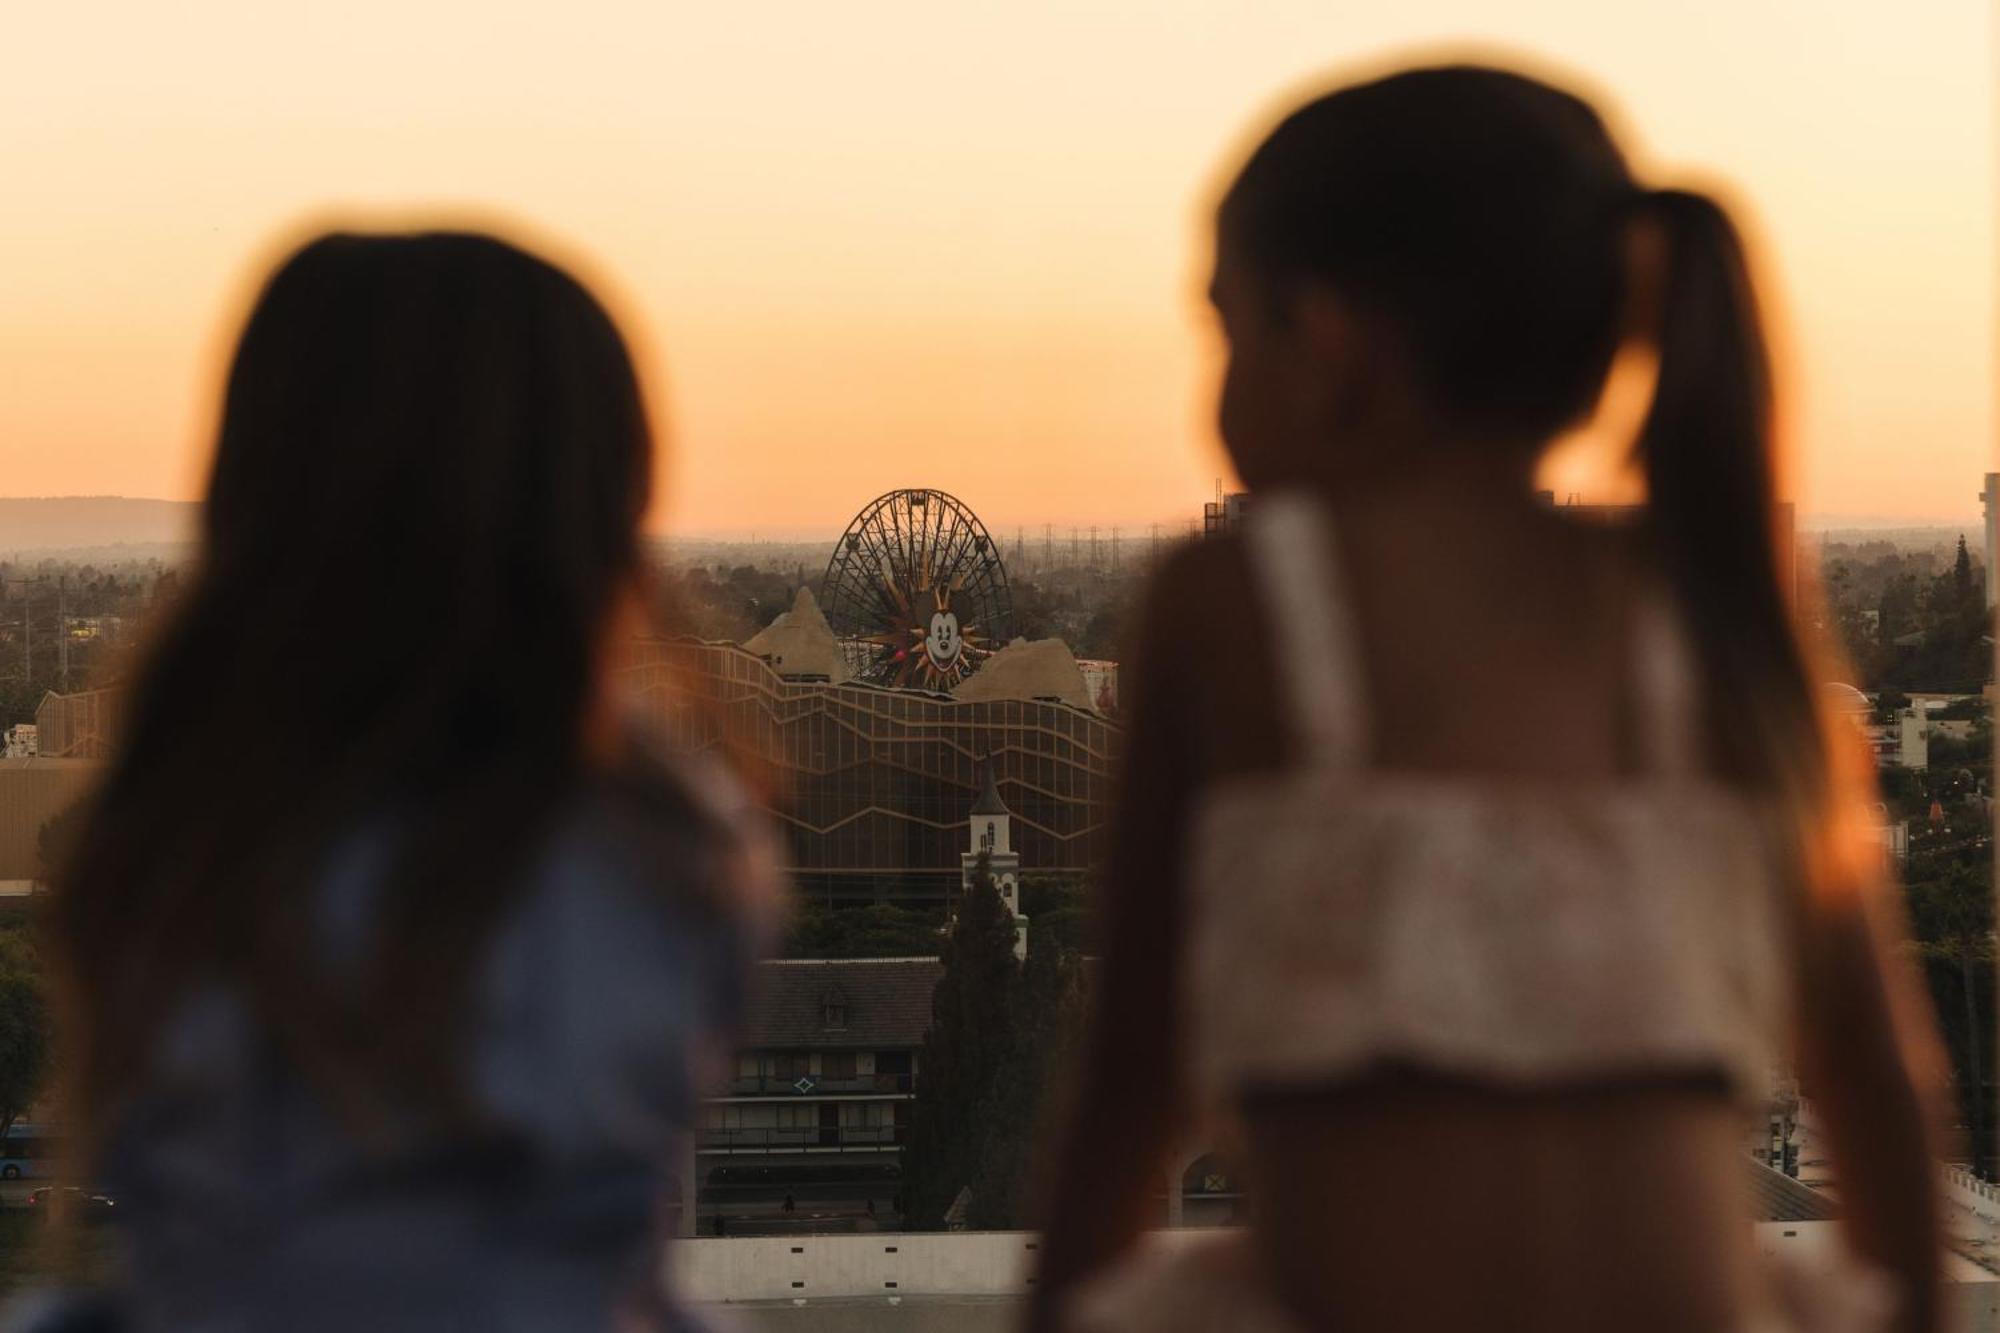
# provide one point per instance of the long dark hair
(432, 464)
(1486, 222)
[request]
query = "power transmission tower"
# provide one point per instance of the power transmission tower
(27, 587)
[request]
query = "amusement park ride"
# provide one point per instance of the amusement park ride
(916, 591)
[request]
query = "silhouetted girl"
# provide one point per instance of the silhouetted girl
(391, 958)
(1478, 862)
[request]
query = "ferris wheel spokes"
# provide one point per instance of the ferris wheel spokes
(916, 589)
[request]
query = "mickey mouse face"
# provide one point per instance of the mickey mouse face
(942, 643)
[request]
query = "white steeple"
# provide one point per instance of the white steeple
(989, 833)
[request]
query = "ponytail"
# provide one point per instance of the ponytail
(1706, 445)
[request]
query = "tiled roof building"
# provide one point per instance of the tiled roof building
(823, 1004)
(825, 1070)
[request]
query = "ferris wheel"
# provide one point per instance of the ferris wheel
(916, 591)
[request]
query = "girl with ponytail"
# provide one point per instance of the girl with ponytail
(1478, 871)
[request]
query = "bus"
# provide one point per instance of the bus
(29, 1152)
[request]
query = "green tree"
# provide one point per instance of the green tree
(1951, 918)
(967, 1051)
(27, 1039)
(879, 930)
(1000, 1030)
(1048, 1023)
(1055, 905)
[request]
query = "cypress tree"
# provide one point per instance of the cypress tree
(966, 1054)
(1048, 1022)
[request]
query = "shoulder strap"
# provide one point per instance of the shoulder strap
(1293, 564)
(1664, 667)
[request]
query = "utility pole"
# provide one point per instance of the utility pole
(62, 631)
(1114, 549)
(28, 625)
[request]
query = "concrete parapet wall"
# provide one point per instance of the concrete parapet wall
(873, 1265)
(972, 1281)
(928, 1314)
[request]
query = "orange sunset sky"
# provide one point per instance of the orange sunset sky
(956, 245)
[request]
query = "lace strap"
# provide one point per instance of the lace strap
(1293, 563)
(1669, 719)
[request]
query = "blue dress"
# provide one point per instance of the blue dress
(603, 1003)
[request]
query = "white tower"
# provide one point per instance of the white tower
(1990, 499)
(1913, 748)
(990, 834)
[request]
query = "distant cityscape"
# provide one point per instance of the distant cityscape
(926, 702)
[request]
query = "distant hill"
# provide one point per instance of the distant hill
(1925, 538)
(71, 522)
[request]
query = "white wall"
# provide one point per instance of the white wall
(974, 1270)
(883, 1263)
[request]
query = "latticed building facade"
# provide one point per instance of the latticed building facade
(873, 786)
(80, 725)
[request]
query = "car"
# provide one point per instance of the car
(29, 1151)
(63, 1202)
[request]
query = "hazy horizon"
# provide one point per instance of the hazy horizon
(1032, 532)
(939, 247)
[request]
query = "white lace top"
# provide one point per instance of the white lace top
(1512, 931)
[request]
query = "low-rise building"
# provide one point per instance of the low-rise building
(1225, 513)
(1100, 679)
(819, 1103)
(1913, 739)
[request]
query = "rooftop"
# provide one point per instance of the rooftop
(885, 1003)
(1024, 669)
(989, 802)
(1777, 1197)
(799, 642)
